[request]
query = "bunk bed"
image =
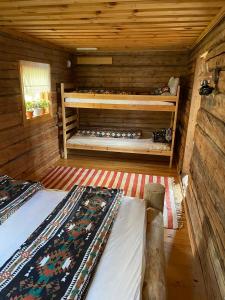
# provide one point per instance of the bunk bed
(78, 100)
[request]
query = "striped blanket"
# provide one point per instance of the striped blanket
(14, 193)
(59, 259)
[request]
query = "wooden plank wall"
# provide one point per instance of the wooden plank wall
(25, 150)
(205, 200)
(137, 71)
(212, 39)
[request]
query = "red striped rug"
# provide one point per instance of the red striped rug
(64, 178)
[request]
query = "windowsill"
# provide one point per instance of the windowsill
(37, 120)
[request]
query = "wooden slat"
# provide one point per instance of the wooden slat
(91, 60)
(122, 150)
(109, 7)
(71, 118)
(121, 106)
(71, 126)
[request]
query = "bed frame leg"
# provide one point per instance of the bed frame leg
(65, 153)
(154, 287)
(154, 196)
(171, 161)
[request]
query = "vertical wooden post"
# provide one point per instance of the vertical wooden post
(174, 127)
(78, 118)
(154, 287)
(63, 120)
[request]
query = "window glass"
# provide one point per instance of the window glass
(36, 86)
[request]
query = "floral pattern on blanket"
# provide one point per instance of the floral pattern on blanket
(59, 259)
(14, 193)
(110, 133)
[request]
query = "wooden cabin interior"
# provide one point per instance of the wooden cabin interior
(108, 102)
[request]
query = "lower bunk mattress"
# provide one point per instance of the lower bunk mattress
(136, 145)
(120, 271)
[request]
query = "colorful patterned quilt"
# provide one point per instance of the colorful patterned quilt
(110, 133)
(59, 259)
(14, 193)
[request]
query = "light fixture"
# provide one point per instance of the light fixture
(87, 49)
(205, 89)
(68, 63)
(204, 55)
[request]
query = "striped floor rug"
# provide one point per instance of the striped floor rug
(64, 178)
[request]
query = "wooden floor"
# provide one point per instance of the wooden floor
(120, 162)
(183, 272)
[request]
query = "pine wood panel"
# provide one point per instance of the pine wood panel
(119, 25)
(146, 121)
(206, 191)
(23, 150)
(138, 71)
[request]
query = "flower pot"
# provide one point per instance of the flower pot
(29, 114)
(46, 110)
(38, 112)
(42, 111)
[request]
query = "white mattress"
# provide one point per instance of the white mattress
(120, 271)
(122, 101)
(129, 144)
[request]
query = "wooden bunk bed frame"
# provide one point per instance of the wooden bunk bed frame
(72, 122)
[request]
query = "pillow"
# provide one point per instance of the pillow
(161, 90)
(110, 133)
(173, 85)
(14, 193)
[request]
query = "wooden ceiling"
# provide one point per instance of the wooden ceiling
(113, 25)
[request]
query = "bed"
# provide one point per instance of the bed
(77, 100)
(128, 260)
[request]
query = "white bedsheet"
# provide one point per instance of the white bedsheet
(120, 271)
(122, 101)
(129, 144)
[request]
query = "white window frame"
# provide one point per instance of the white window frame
(45, 116)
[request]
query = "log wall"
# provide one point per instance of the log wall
(30, 149)
(137, 71)
(205, 200)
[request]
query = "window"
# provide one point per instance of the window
(36, 88)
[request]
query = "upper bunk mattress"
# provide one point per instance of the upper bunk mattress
(122, 101)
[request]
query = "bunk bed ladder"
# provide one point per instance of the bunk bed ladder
(70, 122)
(174, 125)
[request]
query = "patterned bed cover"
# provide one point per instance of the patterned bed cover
(14, 193)
(59, 259)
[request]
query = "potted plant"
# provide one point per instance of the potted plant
(38, 110)
(45, 105)
(29, 109)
